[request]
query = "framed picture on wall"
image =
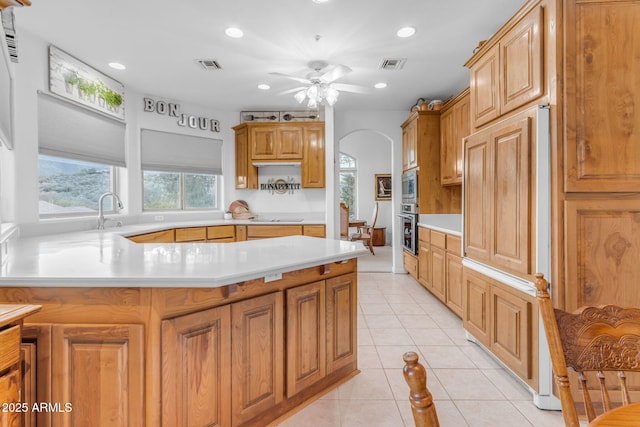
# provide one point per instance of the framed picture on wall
(382, 188)
(73, 79)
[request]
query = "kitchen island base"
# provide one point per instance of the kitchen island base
(237, 355)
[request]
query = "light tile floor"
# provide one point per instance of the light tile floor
(469, 388)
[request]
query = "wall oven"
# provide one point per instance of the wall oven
(410, 188)
(409, 227)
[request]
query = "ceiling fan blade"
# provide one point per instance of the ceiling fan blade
(335, 73)
(295, 89)
(288, 76)
(342, 87)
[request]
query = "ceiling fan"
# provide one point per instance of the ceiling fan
(320, 84)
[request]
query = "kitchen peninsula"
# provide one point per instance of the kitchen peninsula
(182, 334)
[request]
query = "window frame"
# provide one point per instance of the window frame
(354, 170)
(182, 198)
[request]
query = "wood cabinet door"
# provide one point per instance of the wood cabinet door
(410, 263)
(603, 248)
(36, 371)
(262, 142)
(289, 142)
(196, 365)
(342, 327)
(257, 356)
(447, 148)
(99, 369)
(424, 263)
(410, 145)
(602, 93)
(511, 193)
(511, 330)
(462, 129)
(453, 281)
(438, 273)
(165, 236)
(306, 336)
(10, 394)
(313, 230)
(243, 158)
(313, 162)
(267, 231)
(476, 305)
(477, 196)
(485, 88)
(218, 232)
(521, 60)
(191, 234)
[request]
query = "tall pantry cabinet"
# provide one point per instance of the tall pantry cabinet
(582, 58)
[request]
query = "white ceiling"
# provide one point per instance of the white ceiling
(159, 42)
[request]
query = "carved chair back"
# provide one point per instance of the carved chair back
(365, 232)
(592, 339)
(424, 411)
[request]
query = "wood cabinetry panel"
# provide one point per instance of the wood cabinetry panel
(477, 196)
(262, 142)
(36, 371)
(306, 340)
(313, 161)
(221, 232)
(289, 142)
(438, 272)
(455, 125)
(341, 296)
(454, 283)
(257, 367)
(602, 252)
(313, 230)
(243, 169)
(485, 88)
(10, 393)
(410, 145)
(410, 263)
(522, 62)
(476, 306)
(196, 362)
(511, 337)
(266, 231)
(100, 368)
(511, 192)
(165, 236)
(192, 234)
(424, 262)
(602, 96)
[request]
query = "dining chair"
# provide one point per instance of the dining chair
(344, 220)
(422, 406)
(365, 232)
(592, 340)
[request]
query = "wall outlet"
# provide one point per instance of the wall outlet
(272, 277)
(159, 218)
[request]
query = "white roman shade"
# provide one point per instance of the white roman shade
(173, 152)
(70, 131)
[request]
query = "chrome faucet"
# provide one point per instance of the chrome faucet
(101, 218)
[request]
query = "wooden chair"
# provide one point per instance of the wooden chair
(424, 411)
(344, 220)
(592, 339)
(365, 232)
(9, 3)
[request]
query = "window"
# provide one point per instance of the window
(348, 172)
(180, 172)
(73, 187)
(175, 190)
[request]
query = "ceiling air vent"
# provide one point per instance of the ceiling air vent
(209, 64)
(392, 63)
(10, 33)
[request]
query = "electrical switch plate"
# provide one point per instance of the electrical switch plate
(272, 277)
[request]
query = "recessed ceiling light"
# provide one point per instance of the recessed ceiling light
(264, 86)
(380, 85)
(117, 66)
(406, 32)
(234, 32)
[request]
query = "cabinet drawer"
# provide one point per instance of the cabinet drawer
(166, 236)
(438, 239)
(264, 231)
(454, 244)
(424, 234)
(411, 264)
(9, 347)
(314, 230)
(191, 234)
(221, 232)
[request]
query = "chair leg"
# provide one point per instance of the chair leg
(371, 248)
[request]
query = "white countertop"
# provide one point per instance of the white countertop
(107, 259)
(447, 223)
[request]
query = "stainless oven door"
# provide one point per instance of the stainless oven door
(409, 223)
(410, 187)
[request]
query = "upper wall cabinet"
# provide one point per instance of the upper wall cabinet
(275, 142)
(508, 74)
(602, 96)
(454, 126)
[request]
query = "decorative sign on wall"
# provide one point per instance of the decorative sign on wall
(280, 116)
(185, 120)
(75, 80)
(280, 185)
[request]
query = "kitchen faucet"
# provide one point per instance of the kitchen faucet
(101, 218)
